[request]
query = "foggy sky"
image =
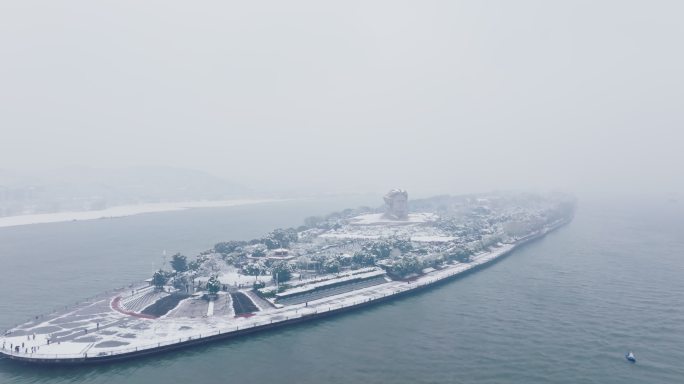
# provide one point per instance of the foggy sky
(432, 96)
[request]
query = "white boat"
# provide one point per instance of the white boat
(630, 357)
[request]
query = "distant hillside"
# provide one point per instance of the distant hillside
(85, 188)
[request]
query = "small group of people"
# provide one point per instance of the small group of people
(17, 348)
(24, 347)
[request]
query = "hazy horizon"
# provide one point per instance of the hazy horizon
(355, 97)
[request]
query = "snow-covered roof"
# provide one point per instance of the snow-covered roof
(313, 286)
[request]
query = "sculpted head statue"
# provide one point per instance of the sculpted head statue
(396, 204)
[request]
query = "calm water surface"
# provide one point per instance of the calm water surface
(563, 309)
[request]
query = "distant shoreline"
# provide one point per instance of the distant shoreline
(123, 211)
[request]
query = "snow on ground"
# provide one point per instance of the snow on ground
(123, 333)
(416, 231)
(432, 239)
(377, 218)
(232, 277)
(350, 236)
(319, 284)
(297, 283)
(121, 211)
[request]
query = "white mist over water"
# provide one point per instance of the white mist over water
(434, 97)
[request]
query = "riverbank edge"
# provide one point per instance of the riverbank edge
(121, 211)
(182, 344)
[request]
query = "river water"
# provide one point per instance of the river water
(563, 309)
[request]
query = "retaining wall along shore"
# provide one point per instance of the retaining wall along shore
(265, 326)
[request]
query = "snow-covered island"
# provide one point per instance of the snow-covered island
(340, 262)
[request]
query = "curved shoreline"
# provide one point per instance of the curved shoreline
(123, 211)
(396, 290)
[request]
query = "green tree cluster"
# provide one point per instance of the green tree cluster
(213, 285)
(281, 238)
(364, 257)
(228, 246)
(253, 269)
(331, 265)
(159, 279)
(459, 254)
(380, 249)
(406, 265)
(281, 271)
(179, 263)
